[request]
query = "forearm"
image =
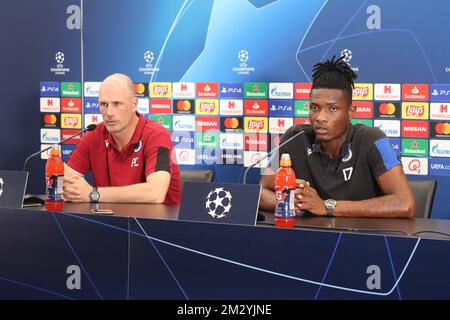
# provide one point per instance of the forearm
(136, 193)
(267, 201)
(388, 206)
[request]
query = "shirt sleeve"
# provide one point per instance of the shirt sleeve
(159, 155)
(381, 155)
(79, 158)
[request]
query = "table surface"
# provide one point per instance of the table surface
(426, 228)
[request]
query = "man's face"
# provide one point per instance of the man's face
(117, 105)
(329, 114)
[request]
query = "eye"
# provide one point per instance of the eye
(333, 108)
(313, 108)
(103, 104)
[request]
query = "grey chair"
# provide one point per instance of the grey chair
(423, 191)
(197, 175)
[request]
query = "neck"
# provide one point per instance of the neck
(333, 147)
(123, 138)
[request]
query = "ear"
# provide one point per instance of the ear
(351, 111)
(135, 103)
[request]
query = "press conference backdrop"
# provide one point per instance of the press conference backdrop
(226, 77)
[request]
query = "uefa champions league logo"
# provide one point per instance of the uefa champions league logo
(59, 70)
(59, 57)
(243, 67)
(218, 203)
(347, 55)
(148, 56)
(243, 56)
(1, 186)
(148, 68)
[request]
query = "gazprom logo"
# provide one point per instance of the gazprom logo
(281, 90)
(440, 148)
(91, 89)
(184, 123)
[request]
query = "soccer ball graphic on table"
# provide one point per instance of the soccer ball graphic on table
(59, 57)
(148, 56)
(218, 203)
(243, 55)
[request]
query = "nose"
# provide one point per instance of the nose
(321, 116)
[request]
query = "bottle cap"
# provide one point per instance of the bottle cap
(285, 160)
(55, 151)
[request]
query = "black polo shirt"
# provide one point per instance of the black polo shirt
(365, 155)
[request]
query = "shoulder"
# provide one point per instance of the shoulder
(153, 130)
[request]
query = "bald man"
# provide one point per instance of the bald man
(130, 157)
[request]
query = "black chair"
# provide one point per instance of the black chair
(423, 191)
(197, 175)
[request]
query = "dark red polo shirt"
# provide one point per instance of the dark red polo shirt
(149, 150)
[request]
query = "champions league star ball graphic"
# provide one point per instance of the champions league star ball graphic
(59, 57)
(347, 55)
(243, 55)
(148, 56)
(218, 203)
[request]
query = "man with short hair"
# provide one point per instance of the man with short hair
(131, 157)
(342, 169)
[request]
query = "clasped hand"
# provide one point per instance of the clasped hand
(307, 198)
(76, 189)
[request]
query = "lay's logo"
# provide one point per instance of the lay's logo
(207, 106)
(70, 121)
(414, 110)
(160, 90)
(256, 124)
(363, 91)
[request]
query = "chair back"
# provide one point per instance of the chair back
(423, 191)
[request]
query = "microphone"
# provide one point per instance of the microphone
(90, 127)
(270, 153)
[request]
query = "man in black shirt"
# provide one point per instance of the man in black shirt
(341, 169)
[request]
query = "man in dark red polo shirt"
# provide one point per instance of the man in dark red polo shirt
(131, 157)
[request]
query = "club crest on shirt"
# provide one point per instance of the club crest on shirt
(106, 143)
(309, 150)
(349, 154)
(138, 146)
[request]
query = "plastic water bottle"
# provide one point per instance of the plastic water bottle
(285, 186)
(54, 175)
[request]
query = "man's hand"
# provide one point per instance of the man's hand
(76, 189)
(307, 198)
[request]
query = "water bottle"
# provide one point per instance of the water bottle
(54, 175)
(285, 186)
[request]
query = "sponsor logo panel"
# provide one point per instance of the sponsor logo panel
(70, 89)
(439, 92)
(256, 90)
(50, 105)
(231, 141)
(439, 167)
(415, 110)
(440, 148)
(50, 135)
(256, 142)
(50, 120)
(66, 133)
(91, 89)
(388, 110)
(440, 111)
(183, 106)
(141, 89)
(281, 108)
(183, 123)
(301, 108)
(256, 108)
(185, 156)
(252, 157)
(208, 90)
(49, 89)
(231, 107)
(164, 120)
(183, 139)
(414, 129)
(255, 124)
(207, 156)
(363, 91)
(71, 105)
(440, 129)
(160, 106)
(207, 107)
(302, 91)
(363, 109)
(207, 140)
(230, 124)
(387, 91)
(92, 119)
(70, 121)
(415, 166)
(281, 90)
(91, 105)
(143, 106)
(183, 90)
(415, 147)
(206, 123)
(232, 90)
(160, 89)
(415, 92)
(391, 128)
(280, 125)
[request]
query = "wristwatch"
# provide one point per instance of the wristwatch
(94, 196)
(330, 205)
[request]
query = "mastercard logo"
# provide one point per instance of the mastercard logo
(139, 88)
(231, 123)
(442, 128)
(50, 119)
(183, 105)
(387, 108)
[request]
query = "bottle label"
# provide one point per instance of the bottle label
(285, 203)
(54, 188)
